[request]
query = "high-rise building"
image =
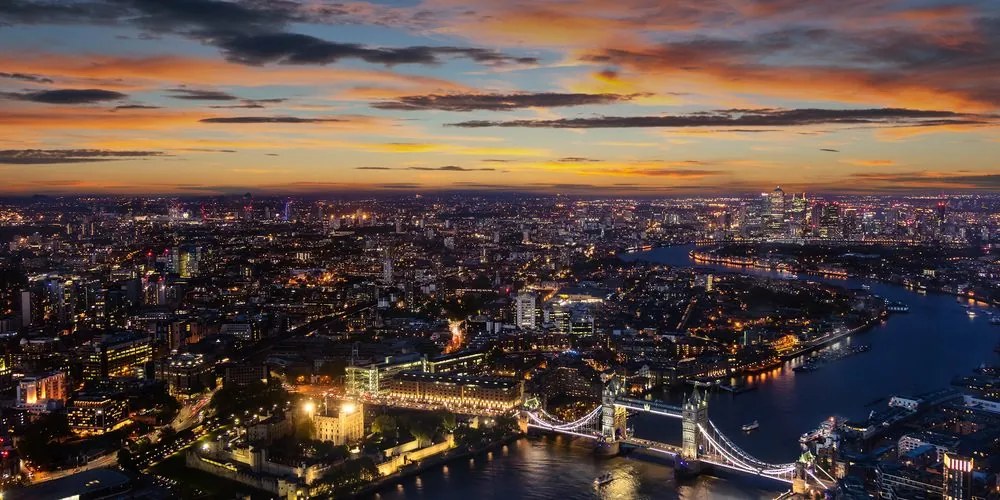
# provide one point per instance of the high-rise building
(957, 477)
(526, 310)
(797, 213)
(776, 212)
(942, 208)
(387, 270)
(25, 308)
(829, 223)
(188, 258)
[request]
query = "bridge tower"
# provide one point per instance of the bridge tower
(614, 423)
(693, 414)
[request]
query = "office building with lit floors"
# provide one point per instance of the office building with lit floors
(186, 373)
(97, 413)
(457, 392)
(338, 422)
(123, 354)
(957, 477)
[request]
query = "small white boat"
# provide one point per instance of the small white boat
(971, 313)
(603, 479)
(751, 426)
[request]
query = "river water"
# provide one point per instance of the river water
(911, 353)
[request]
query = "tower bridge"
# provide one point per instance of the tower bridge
(702, 445)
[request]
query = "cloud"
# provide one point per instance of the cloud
(26, 77)
(55, 156)
(498, 102)
(67, 96)
(135, 106)
(297, 48)
(870, 163)
(247, 105)
(753, 118)
(577, 159)
(251, 103)
(268, 119)
(446, 168)
(928, 180)
(828, 150)
(201, 95)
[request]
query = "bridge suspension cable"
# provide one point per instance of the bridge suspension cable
(558, 425)
(743, 454)
(747, 463)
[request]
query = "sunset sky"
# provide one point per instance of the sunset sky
(626, 97)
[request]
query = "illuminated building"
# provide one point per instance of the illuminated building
(776, 211)
(456, 391)
(572, 318)
(829, 223)
(186, 260)
(957, 477)
(461, 362)
(42, 393)
(525, 310)
(371, 379)
(185, 373)
(97, 413)
(123, 354)
(339, 424)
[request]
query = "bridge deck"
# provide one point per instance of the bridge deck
(657, 407)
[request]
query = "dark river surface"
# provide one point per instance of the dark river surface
(911, 353)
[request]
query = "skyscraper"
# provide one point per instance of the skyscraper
(776, 212)
(387, 270)
(25, 308)
(829, 223)
(525, 309)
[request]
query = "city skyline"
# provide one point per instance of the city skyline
(206, 97)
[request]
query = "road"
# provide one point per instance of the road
(109, 460)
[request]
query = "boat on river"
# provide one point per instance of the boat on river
(603, 479)
(751, 426)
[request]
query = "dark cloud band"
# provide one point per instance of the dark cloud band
(67, 96)
(267, 119)
(56, 156)
(498, 102)
(753, 118)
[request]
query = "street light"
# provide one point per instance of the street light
(309, 407)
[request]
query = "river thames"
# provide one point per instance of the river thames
(910, 353)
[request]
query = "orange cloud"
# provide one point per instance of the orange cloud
(870, 163)
(149, 72)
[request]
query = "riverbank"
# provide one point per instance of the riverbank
(767, 265)
(433, 462)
